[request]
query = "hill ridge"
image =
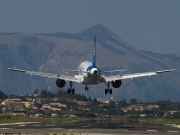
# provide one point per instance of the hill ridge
(52, 52)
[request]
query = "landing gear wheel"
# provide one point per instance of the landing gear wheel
(69, 91)
(73, 91)
(86, 88)
(110, 91)
(106, 91)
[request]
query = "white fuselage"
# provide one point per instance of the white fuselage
(89, 74)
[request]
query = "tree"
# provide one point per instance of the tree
(122, 103)
(176, 115)
(111, 104)
(90, 114)
(159, 113)
(44, 93)
(83, 98)
(2, 95)
(0, 110)
(95, 100)
(51, 95)
(133, 101)
(36, 91)
(39, 106)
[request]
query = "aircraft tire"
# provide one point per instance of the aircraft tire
(86, 88)
(106, 91)
(68, 91)
(73, 91)
(110, 91)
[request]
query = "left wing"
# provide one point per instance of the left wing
(131, 76)
(49, 75)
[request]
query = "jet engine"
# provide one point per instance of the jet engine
(94, 71)
(116, 83)
(60, 83)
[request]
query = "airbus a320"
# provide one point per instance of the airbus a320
(90, 74)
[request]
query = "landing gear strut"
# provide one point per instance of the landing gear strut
(86, 88)
(71, 90)
(108, 90)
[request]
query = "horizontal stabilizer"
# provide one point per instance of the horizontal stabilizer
(75, 70)
(113, 71)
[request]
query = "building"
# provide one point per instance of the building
(152, 107)
(126, 108)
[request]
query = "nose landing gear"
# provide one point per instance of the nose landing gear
(86, 88)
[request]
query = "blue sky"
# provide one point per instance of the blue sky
(152, 25)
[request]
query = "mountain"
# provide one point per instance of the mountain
(55, 51)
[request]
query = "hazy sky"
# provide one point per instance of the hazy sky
(152, 25)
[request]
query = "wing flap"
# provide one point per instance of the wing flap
(131, 76)
(49, 75)
(127, 76)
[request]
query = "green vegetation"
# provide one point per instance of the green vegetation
(77, 108)
(160, 121)
(14, 119)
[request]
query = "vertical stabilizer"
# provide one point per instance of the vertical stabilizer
(94, 54)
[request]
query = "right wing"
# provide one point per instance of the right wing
(130, 76)
(49, 75)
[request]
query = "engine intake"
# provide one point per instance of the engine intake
(60, 83)
(116, 83)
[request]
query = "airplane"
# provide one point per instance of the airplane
(91, 74)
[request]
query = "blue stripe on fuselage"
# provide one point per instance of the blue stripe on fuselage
(91, 67)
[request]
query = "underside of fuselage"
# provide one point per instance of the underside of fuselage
(91, 80)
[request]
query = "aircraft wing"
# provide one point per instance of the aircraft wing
(49, 75)
(131, 76)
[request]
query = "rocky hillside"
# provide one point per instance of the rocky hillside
(53, 52)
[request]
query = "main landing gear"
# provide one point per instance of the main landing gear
(108, 90)
(71, 90)
(86, 88)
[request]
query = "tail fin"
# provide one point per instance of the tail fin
(94, 54)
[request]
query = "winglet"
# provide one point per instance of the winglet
(94, 54)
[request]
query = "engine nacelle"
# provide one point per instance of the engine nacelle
(116, 83)
(94, 71)
(60, 83)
